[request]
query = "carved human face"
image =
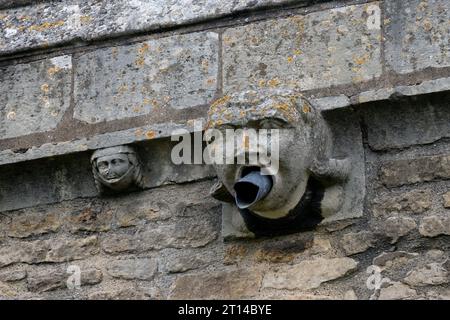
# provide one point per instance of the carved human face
(113, 166)
(289, 181)
(302, 139)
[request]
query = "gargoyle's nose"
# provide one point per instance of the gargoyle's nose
(251, 188)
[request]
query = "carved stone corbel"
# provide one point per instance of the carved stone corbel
(116, 169)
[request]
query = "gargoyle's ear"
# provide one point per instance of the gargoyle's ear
(219, 192)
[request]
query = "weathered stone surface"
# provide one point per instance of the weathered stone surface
(408, 171)
(443, 295)
(320, 49)
(119, 137)
(69, 249)
(396, 227)
(309, 274)
(398, 124)
(14, 3)
(417, 34)
(12, 276)
(7, 291)
(431, 274)
(185, 233)
(232, 284)
(446, 198)
(234, 253)
(94, 217)
(49, 24)
(357, 242)
(65, 179)
(139, 208)
(436, 256)
(387, 259)
(32, 222)
(428, 86)
(120, 82)
(348, 143)
(397, 291)
(329, 103)
(435, 225)
(54, 250)
(277, 251)
(415, 201)
(70, 177)
(46, 280)
(185, 262)
(34, 96)
(120, 243)
(197, 209)
(120, 294)
(130, 269)
(373, 95)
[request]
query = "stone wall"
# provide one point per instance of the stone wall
(84, 75)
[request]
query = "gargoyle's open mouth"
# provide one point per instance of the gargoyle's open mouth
(251, 187)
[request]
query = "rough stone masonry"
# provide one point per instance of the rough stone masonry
(77, 76)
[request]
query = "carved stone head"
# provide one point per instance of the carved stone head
(305, 188)
(116, 169)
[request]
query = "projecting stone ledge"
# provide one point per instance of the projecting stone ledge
(165, 130)
(105, 140)
(51, 23)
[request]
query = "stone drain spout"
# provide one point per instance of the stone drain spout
(251, 188)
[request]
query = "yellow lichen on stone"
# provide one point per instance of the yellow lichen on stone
(140, 61)
(53, 70)
(46, 25)
(306, 108)
(219, 102)
(144, 48)
(275, 82)
(45, 88)
(361, 59)
(427, 26)
(122, 88)
(150, 134)
(24, 18)
(227, 40)
(85, 19)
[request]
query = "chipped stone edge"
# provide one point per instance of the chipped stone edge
(343, 101)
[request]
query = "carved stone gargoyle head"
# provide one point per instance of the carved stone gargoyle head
(116, 169)
(307, 185)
